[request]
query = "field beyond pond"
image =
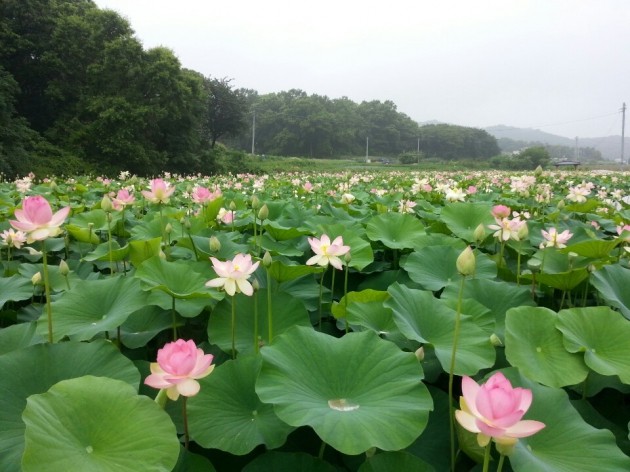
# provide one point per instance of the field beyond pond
(359, 319)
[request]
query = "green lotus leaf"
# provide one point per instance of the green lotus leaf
(83, 234)
(283, 233)
(287, 312)
(175, 278)
(602, 335)
(102, 252)
(498, 296)
(400, 460)
(289, 248)
(395, 230)
(535, 346)
(143, 325)
(567, 443)
(140, 251)
(462, 218)
(356, 392)
(282, 272)
(594, 249)
(189, 462)
(435, 267)
(19, 336)
(228, 415)
(58, 283)
(301, 461)
(422, 317)
(97, 424)
(35, 369)
(93, 306)
(15, 288)
(97, 219)
(612, 283)
(561, 280)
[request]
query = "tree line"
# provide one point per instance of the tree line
(79, 93)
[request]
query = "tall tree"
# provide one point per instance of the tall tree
(226, 111)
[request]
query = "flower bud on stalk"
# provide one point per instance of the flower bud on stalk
(64, 270)
(466, 262)
(267, 260)
(263, 213)
(480, 233)
(106, 204)
(215, 244)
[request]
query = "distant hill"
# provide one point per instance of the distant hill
(609, 146)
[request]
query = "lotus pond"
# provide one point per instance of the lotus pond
(316, 322)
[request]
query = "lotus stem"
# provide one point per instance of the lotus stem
(345, 295)
(486, 457)
(256, 322)
(451, 372)
(47, 293)
(185, 417)
(321, 292)
(269, 310)
(174, 317)
(501, 459)
(234, 326)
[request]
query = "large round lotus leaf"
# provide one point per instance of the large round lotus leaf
(189, 462)
(174, 278)
(499, 296)
(97, 424)
(567, 443)
(15, 289)
(612, 283)
(18, 336)
(35, 369)
(594, 249)
(395, 230)
(289, 461)
(356, 392)
(287, 311)
(435, 267)
(534, 345)
(560, 280)
(400, 460)
(228, 415)
(94, 306)
(462, 218)
(602, 335)
(424, 318)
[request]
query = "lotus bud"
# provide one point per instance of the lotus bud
(256, 285)
(36, 279)
(347, 257)
(420, 353)
(168, 229)
(523, 232)
(64, 269)
(255, 202)
(232, 206)
(561, 205)
(572, 257)
(106, 204)
(495, 340)
(538, 172)
(466, 262)
(267, 260)
(263, 213)
(480, 233)
(215, 244)
(53, 186)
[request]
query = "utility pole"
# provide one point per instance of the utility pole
(418, 152)
(367, 149)
(623, 128)
(254, 133)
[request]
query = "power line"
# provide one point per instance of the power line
(510, 128)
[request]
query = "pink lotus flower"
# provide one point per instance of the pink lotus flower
(12, 238)
(500, 211)
(327, 252)
(160, 191)
(179, 365)
(204, 195)
(36, 219)
(555, 239)
(233, 274)
(122, 199)
(225, 216)
(494, 410)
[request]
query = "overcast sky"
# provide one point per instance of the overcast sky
(562, 66)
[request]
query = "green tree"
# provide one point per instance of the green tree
(226, 110)
(534, 156)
